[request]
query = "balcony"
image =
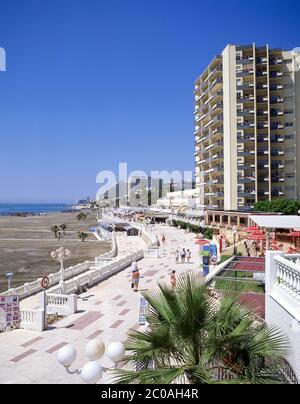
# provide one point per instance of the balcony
(275, 112)
(261, 73)
(262, 164)
(216, 82)
(245, 139)
(276, 61)
(276, 152)
(244, 86)
(245, 112)
(276, 100)
(262, 125)
(276, 165)
(244, 73)
(274, 75)
(245, 60)
(276, 87)
(262, 87)
(263, 138)
(246, 180)
(246, 153)
(245, 99)
(262, 112)
(262, 152)
(277, 193)
(262, 60)
(245, 125)
(245, 167)
(247, 194)
(276, 126)
(262, 100)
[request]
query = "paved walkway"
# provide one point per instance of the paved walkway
(107, 311)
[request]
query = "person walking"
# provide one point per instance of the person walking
(177, 254)
(173, 280)
(183, 255)
(136, 280)
(163, 241)
(188, 256)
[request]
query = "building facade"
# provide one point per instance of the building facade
(247, 128)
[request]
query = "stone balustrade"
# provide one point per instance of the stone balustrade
(288, 275)
(62, 305)
(33, 320)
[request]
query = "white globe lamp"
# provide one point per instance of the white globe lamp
(95, 350)
(91, 373)
(116, 352)
(66, 356)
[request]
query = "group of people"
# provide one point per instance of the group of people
(183, 256)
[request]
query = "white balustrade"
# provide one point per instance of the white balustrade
(33, 320)
(288, 276)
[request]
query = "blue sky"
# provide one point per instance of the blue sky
(90, 83)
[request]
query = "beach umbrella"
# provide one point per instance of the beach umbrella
(202, 242)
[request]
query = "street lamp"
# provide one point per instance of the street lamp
(9, 276)
(61, 255)
(92, 371)
(235, 231)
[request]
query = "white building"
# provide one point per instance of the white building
(247, 128)
(179, 200)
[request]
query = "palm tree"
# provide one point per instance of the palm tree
(82, 236)
(193, 337)
(64, 228)
(81, 217)
(55, 230)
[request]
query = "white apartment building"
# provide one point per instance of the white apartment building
(247, 128)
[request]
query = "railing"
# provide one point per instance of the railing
(32, 320)
(288, 275)
(63, 305)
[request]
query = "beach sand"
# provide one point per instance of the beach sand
(26, 244)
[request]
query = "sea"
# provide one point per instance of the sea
(33, 208)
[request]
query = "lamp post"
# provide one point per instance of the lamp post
(61, 255)
(235, 231)
(92, 371)
(9, 276)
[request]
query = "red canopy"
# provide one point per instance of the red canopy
(295, 233)
(251, 228)
(256, 237)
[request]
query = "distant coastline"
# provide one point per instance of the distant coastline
(32, 209)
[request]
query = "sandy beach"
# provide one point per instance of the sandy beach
(26, 244)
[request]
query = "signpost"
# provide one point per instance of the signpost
(9, 312)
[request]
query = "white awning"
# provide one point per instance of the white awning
(278, 222)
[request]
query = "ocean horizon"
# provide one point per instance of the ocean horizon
(12, 208)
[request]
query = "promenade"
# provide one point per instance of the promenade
(108, 311)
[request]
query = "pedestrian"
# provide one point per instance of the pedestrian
(183, 255)
(173, 280)
(136, 280)
(177, 254)
(59, 235)
(188, 256)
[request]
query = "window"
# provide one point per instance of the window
(289, 124)
(288, 112)
(290, 86)
(290, 175)
(289, 137)
(288, 61)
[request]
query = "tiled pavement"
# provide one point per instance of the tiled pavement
(107, 311)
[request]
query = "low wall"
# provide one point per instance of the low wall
(33, 320)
